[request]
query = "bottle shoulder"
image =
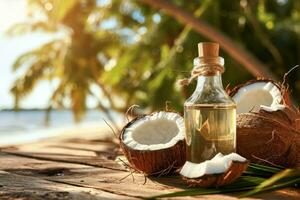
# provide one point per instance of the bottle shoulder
(214, 96)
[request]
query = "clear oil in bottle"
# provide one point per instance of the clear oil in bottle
(210, 129)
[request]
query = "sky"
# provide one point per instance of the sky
(11, 12)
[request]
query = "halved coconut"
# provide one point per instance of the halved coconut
(256, 94)
(154, 144)
(267, 123)
(219, 171)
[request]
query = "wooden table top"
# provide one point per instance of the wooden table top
(77, 168)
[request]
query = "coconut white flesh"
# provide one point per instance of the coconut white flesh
(217, 165)
(254, 95)
(158, 131)
(216, 157)
(273, 108)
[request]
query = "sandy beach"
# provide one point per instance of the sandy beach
(29, 126)
(85, 131)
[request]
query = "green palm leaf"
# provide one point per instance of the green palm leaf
(285, 178)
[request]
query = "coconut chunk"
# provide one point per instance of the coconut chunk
(193, 170)
(219, 171)
(217, 165)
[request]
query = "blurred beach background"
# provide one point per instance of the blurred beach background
(71, 66)
(29, 125)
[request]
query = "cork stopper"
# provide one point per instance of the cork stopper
(209, 63)
(208, 49)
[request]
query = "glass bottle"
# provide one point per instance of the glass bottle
(210, 114)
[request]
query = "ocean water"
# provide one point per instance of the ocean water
(27, 126)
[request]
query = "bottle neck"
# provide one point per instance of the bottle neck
(210, 82)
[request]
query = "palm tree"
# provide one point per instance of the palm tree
(77, 57)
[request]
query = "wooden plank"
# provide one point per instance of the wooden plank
(68, 152)
(84, 160)
(14, 186)
(82, 147)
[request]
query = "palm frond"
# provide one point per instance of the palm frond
(285, 178)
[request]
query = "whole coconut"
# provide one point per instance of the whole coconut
(268, 131)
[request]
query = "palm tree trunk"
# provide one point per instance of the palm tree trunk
(254, 66)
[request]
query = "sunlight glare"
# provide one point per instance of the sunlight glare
(11, 12)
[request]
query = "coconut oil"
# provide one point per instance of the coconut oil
(210, 114)
(210, 129)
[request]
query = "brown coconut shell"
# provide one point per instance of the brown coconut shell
(293, 159)
(263, 140)
(235, 170)
(289, 116)
(286, 100)
(157, 162)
